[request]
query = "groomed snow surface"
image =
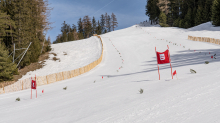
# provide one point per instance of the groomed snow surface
(193, 98)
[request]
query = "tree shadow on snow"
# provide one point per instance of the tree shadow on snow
(183, 58)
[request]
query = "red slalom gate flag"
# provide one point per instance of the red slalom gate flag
(174, 73)
(33, 84)
(163, 57)
(212, 57)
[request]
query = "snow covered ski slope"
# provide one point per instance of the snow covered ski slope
(129, 64)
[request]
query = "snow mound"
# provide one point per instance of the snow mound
(205, 26)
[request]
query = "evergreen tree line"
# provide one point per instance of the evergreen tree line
(183, 13)
(21, 22)
(87, 27)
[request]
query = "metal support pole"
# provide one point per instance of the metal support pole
(42, 46)
(43, 43)
(14, 53)
(24, 54)
(157, 64)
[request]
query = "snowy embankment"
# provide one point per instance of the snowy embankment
(70, 56)
(129, 63)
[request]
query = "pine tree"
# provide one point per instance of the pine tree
(114, 22)
(80, 28)
(57, 39)
(94, 25)
(176, 22)
(106, 23)
(216, 13)
(75, 35)
(181, 23)
(207, 12)
(163, 19)
(152, 10)
(7, 68)
(102, 23)
(80, 35)
(199, 17)
(31, 21)
(70, 35)
(6, 25)
(74, 27)
(188, 19)
(49, 40)
(173, 11)
(99, 29)
(182, 13)
(194, 17)
(109, 23)
(87, 26)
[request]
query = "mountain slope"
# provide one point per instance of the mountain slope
(129, 64)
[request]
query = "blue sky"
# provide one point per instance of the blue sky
(128, 12)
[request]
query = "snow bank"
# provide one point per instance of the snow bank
(205, 27)
(71, 55)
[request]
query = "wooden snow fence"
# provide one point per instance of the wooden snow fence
(41, 80)
(6, 87)
(204, 39)
(51, 78)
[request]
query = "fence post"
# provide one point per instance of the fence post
(22, 85)
(70, 76)
(62, 75)
(3, 87)
(56, 77)
(46, 80)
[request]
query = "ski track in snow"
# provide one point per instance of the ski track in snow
(129, 63)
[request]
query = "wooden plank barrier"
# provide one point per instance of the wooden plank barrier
(41, 80)
(27, 83)
(7, 87)
(66, 75)
(51, 78)
(1, 91)
(76, 72)
(204, 39)
(81, 70)
(72, 73)
(59, 76)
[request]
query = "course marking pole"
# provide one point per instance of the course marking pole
(157, 64)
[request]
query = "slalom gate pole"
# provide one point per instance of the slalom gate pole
(157, 64)
(31, 88)
(170, 62)
(158, 71)
(36, 85)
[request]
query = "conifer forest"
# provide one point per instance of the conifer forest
(23, 24)
(86, 27)
(183, 13)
